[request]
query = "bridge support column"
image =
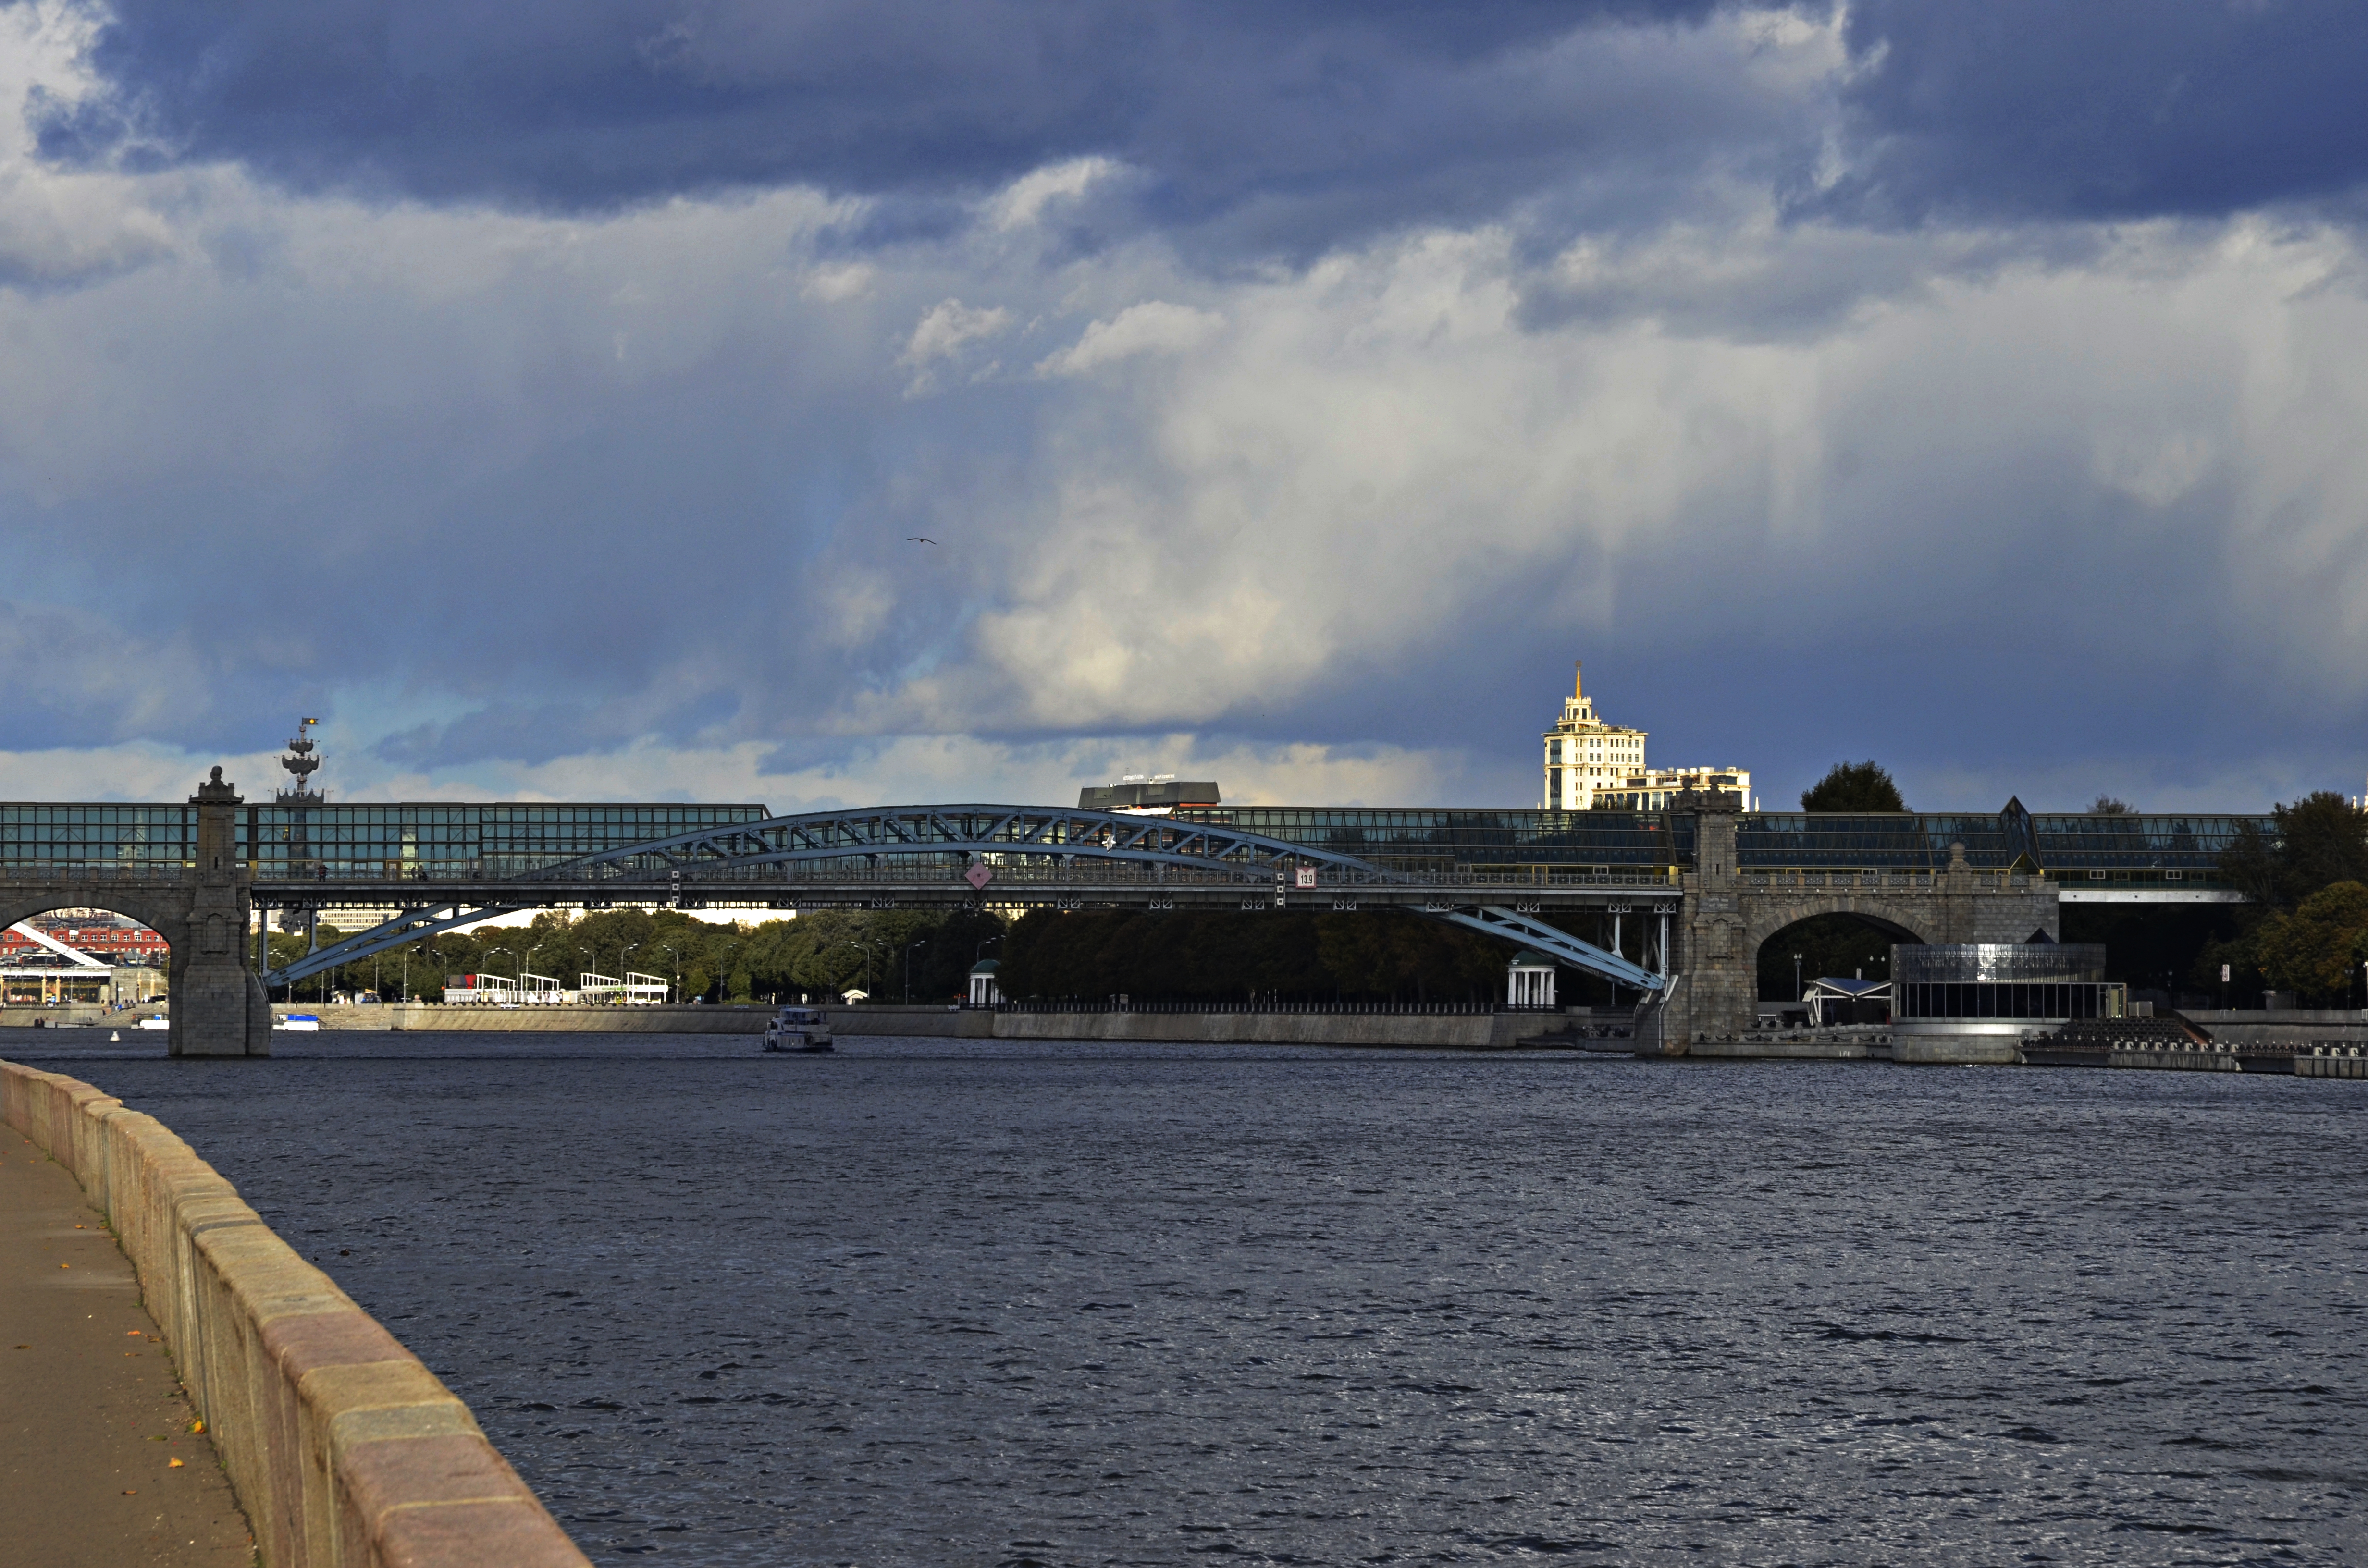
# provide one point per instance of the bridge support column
(1717, 991)
(219, 1005)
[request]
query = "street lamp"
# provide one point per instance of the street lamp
(1796, 977)
(917, 942)
(866, 947)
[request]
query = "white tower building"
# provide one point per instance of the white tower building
(1592, 765)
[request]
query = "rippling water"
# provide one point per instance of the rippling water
(937, 1301)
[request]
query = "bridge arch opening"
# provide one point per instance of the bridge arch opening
(1844, 943)
(58, 956)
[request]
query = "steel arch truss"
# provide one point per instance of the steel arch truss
(968, 832)
(1564, 947)
(408, 926)
(971, 832)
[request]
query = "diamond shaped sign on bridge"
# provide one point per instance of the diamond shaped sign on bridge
(978, 876)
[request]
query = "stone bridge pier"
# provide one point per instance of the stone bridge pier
(1727, 912)
(218, 1005)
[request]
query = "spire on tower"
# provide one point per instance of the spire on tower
(303, 764)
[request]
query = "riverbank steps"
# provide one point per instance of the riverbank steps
(344, 1448)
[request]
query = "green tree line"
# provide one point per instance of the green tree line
(1234, 956)
(2307, 929)
(821, 953)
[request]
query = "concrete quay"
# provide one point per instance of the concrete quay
(2284, 1029)
(71, 1015)
(1465, 1032)
(1431, 1031)
(344, 1450)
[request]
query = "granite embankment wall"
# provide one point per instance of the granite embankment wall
(1468, 1032)
(433, 1017)
(66, 1012)
(345, 1449)
(1474, 1032)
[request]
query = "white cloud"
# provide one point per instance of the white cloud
(1153, 328)
(134, 771)
(60, 228)
(943, 333)
(841, 281)
(669, 443)
(948, 326)
(884, 770)
(1025, 199)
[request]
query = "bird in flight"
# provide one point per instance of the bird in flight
(917, 539)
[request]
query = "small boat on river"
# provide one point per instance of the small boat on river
(803, 1030)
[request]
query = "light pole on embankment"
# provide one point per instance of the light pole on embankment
(917, 942)
(866, 949)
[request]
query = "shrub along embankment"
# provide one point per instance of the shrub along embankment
(345, 1449)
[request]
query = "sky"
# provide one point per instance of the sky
(546, 396)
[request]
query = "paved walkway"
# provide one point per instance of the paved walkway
(91, 1415)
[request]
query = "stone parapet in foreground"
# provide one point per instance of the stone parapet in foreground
(344, 1448)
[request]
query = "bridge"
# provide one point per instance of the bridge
(1707, 883)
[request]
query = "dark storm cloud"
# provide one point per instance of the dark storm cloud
(2114, 108)
(1356, 113)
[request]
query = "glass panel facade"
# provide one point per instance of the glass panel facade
(351, 839)
(2040, 981)
(2033, 1002)
(403, 840)
(1443, 839)
(2141, 849)
(1996, 962)
(2130, 848)
(131, 837)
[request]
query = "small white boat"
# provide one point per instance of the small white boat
(805, 1031)
(300, 1023)
(159, 1022)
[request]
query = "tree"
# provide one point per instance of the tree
(2317, 948)
(1381, 956)
(2318, 841)
(1853, 787)
(2111, 806)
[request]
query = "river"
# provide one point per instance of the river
(1005, 1302)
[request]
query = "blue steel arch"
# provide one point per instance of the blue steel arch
(969, 831)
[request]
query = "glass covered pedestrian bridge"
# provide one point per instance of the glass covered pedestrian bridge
(443, 841)
(341, 841)
(2079, 849)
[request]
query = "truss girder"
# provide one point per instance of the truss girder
(409, 927)
(1561, 945)
(971, 832)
